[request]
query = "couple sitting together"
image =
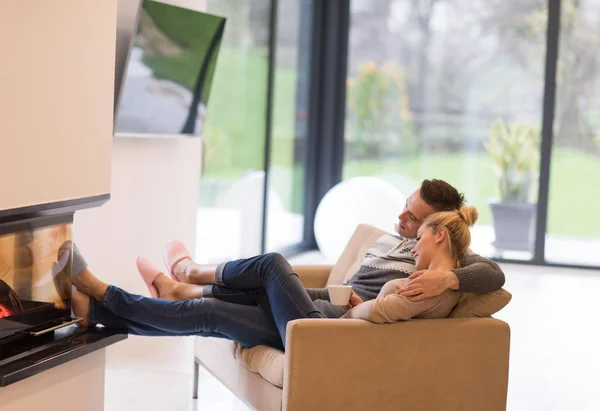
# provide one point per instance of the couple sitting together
(414, 273)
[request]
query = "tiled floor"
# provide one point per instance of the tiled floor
(142, 389)
(555, 358)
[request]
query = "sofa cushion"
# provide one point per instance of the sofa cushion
(266, 361)
(217, 355)
(354, 253)
(480, 305)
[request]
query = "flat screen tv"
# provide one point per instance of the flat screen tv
(164, 83)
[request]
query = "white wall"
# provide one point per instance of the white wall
(154, 198)
(56, 101)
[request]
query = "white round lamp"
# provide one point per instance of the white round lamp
(360, 200)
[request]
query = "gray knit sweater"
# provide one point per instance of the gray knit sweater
(390, 258)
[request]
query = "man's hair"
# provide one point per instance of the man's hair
(441, 196)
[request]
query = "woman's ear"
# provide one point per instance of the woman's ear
(440, 235)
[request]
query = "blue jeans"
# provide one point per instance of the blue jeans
(270, 293)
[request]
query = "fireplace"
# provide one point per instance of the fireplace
(56, 142)
(37, 329)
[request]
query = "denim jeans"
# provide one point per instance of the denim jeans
(270, 293)
(272, 281)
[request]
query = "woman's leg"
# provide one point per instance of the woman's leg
(233, 295)
(169, 289)
(286, 297)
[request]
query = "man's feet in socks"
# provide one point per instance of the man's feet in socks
(81, 277)
(80, 304)
(89, 284)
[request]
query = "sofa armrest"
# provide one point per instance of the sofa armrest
(450, 364)
(313, 276)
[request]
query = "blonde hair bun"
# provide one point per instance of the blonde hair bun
(469, 214)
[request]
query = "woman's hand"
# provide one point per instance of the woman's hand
(354, 301)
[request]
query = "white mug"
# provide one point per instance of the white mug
(339, 294)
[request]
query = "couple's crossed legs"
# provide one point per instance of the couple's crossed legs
(193, 280)
(189, 315)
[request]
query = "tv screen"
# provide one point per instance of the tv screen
(168, 76)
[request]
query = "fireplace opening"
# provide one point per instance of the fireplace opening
(35, 286)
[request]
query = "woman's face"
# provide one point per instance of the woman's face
(425, 248)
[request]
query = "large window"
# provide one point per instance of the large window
(461, 90)
(452, 89)
(285, 218)
(229, 219)
(573, 231)
(258, 106)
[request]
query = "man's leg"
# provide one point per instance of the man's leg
(93, 312)
(247, 325)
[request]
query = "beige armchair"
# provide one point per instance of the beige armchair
(448, 364)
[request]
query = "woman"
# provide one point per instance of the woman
(271, 294)
(442, 244)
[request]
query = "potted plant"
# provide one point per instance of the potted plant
(515, 152)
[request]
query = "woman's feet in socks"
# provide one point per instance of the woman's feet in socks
(80, 304)
(187, 271)
(169, 289)
(182, 268)
(163, 287)
(176, 254)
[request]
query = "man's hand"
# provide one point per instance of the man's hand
(354, 301)
(428, 283)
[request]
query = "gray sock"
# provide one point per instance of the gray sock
(79, 263)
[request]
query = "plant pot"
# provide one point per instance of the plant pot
(514, 225)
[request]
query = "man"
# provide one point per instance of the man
(387, 259)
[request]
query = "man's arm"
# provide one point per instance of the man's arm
(320, 297)
(318, 293)
(479, 275)
(330, 310)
